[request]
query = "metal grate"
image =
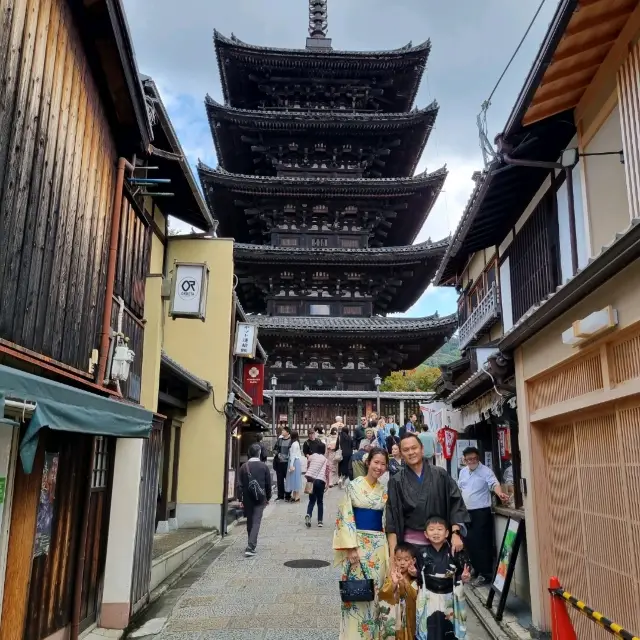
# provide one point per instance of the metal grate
(100, 469)
(306, 564)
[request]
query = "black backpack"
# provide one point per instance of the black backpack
(255, 490)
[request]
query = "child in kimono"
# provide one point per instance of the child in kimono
(440, 607)
(400, 591)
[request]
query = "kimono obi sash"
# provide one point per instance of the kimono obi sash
(416, 538)
(368, 519)
(438, 585)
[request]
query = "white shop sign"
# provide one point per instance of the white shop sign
(246, 340)
(189, 291)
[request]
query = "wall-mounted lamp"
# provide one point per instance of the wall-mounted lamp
(590, 327)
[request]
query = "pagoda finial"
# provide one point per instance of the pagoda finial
(318, 24)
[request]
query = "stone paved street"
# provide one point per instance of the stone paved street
(238, 598)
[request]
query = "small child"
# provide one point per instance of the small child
(400, 590)
(440, 608)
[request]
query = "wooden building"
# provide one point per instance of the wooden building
(558, 208)
(317, 149)
(74, 251)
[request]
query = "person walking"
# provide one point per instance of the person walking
(477, 482)
(318, 475)
(359, 433)
(264, 453)
(428, 440)
(360, 546)
(312, 444)
(293, 481)
(345, 444)
(281, 462)
(254, 485)
(332, 446)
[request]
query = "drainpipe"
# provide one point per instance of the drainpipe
(116, 215)
(552, 166)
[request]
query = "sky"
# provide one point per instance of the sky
(472, 41)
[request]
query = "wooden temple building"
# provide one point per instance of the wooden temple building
(317, 150)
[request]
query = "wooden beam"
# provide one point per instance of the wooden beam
(577, 26)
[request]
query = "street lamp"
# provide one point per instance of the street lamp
(274, 384)
(378, 381)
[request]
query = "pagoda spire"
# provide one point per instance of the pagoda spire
(318, 24)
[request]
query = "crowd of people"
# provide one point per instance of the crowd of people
(403, 522)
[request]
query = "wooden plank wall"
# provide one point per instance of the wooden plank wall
(57, 180)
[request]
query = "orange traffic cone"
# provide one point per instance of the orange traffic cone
(561, 626)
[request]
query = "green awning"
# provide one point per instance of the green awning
(65, 408)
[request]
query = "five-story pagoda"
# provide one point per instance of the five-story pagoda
(317, 149)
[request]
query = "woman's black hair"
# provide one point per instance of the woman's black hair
(392, 431)
(377, 451)
(295, 437)
(345, 430)
(334, 431)
(410, 434)
(321, 449)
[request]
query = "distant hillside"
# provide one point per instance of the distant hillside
(448, 353)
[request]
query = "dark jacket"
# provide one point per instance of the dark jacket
(312, 446)
(264, 453)
(261, 473)
(358, 436)
(346, 446)
(390, 441)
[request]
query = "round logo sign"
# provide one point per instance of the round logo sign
(253, 372)
(188, 288)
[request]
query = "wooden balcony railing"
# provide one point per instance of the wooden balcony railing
(481, 318)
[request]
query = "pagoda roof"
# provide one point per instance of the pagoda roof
(236, 155)
(409, 268)
(236, 58)
(223, 188)
(415, 338)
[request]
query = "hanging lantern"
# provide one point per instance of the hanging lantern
(447, 438)
(504, 442)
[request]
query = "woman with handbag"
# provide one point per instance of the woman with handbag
(317, 477)
(361, 549)
(333, 457)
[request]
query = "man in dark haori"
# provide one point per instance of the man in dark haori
(420, 491)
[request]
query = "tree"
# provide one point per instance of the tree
(420, 379)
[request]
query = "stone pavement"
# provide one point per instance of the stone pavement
(238, 598)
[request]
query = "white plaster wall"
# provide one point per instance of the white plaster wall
(123, 521)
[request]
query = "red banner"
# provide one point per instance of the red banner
(447, 438)
(253, 383)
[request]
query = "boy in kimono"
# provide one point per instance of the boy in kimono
(440, 607)
(400, 591)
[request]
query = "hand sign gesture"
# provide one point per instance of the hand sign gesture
(466, 574)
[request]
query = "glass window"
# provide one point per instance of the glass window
(352, 310)
(287, 309)
(289, 241)
(350, 243)
(320, 310)
(319, 242)
(562, 199)
(491, 276)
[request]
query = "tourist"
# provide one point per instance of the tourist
(440, 608)
(372, 421)
(410, 427)
(345, 444)
(391, 424)
(281, 462)
(293, 481)
(401, 591)
(312, 444)
(477, 482)
(392, 439)
(381, 434)
(318, 475)
(428, 440)
(359, 433)
(254, 485)
(360, 546)
(395, 461)
(332, 446)
(264, 453)
(420, 491)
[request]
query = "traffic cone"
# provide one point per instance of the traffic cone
(561, 626)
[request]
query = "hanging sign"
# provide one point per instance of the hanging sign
(246, 340)
(447, 438)
(504, 442)
(189, 294)
(254, 382)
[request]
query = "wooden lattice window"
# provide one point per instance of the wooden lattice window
(352, 310)
(319, 243)
(287, 309)
(289, 241)
(350, 243)
(100, 469)
(534, 259)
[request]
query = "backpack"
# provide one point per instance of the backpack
(255, 490)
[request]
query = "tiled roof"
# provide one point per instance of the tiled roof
(376, 325)
(468, 385)
(593, 275)
(185, 374)
(315, 184)
(380, 255)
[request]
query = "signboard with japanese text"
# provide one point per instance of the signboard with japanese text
(253, 382)
(189, 295)
(246, 340)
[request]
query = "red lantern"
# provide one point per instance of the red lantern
(447, 438)
(254, 382)
(504, 441)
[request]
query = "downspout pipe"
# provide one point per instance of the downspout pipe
(116, 216)
(568, 171)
